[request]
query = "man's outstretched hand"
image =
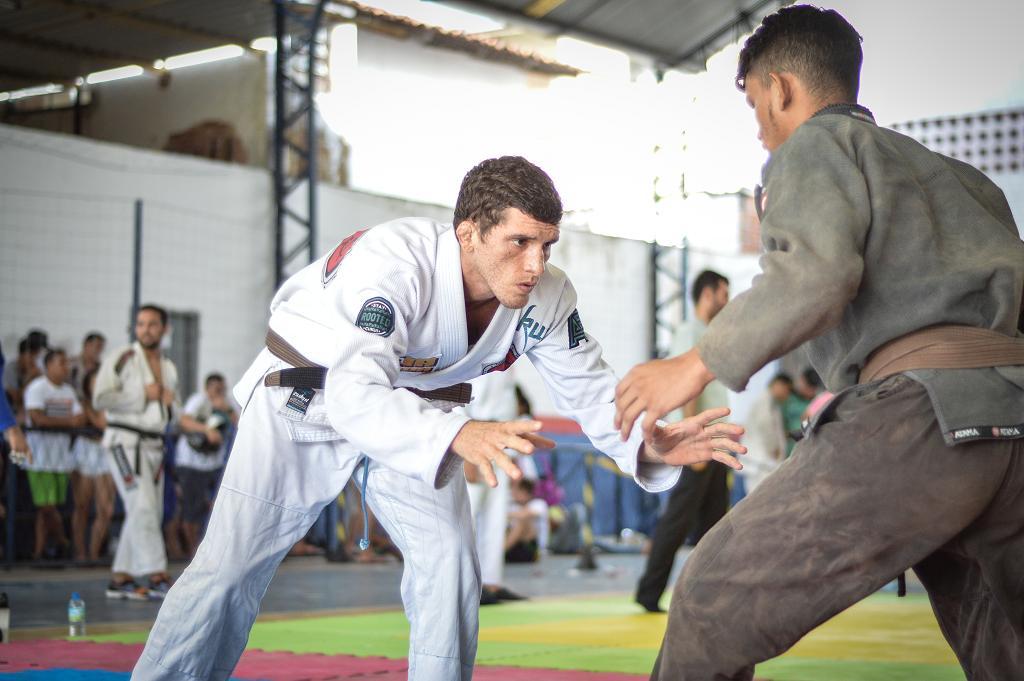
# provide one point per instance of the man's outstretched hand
(657, 387)
(483, 444)
(696, 440)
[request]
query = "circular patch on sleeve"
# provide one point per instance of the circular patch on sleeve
(377, 316)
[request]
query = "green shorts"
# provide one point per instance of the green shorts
(48, 488)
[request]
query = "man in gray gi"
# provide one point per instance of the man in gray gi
(903, 271)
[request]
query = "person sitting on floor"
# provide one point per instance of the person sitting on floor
(527, 534)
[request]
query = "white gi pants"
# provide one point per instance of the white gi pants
(490, 515)
(272, 491)
(139, 477)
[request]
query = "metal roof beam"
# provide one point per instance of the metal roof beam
(742, 18)
(132, 17)
(567, 28)
(32, 77)
(114, 58)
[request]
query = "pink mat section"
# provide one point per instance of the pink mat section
(258, 664)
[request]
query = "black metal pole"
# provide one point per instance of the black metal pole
(12, 511)
(136, 270)
(312, 146)
(279, 125)
(685, 268)
(654, 301)
(77, 112)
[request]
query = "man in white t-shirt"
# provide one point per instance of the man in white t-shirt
(205, 421)
(50, 403)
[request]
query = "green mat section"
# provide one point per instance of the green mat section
(880, 639)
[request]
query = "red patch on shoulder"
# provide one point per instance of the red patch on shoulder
(337, 255)
(510, 358)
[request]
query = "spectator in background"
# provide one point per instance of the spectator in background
(14, 438)
(88, 361)
(206, 421)
(18, 374)
(766, 435)
(91, 480)
(527, 535)
(810, 387)
(793, 410)
(50, 403)
(38, 343)
(138, 390)
(701, 497)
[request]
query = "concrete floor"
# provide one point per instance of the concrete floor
(39, 598)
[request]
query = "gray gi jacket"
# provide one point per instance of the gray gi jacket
(869, 236)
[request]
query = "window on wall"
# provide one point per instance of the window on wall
(184, 350)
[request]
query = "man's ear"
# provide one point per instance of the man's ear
(464, 232)
(781, 89)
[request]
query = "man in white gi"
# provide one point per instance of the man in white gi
(138, 390)
(367, 351)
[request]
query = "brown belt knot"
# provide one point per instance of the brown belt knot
(308, 374)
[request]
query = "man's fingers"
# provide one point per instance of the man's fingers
(730, 461)
(724, 430)
(502, 460)
(650, 424)
(725, 444)
(709, 415)
(630, 409)
(540, 441)
(520, 427)
(489, 477)
(519, 444)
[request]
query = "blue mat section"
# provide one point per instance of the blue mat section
(618, 501)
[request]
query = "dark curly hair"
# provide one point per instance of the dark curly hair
(817, 45)
(506, 182)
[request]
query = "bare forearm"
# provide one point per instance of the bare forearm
(40, 418)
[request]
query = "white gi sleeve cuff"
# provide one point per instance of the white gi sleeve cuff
(446, 464)
(652, 477)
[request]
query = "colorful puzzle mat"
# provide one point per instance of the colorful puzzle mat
(593, 639)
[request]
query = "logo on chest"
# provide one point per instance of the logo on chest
(532, 329)
(417, 365)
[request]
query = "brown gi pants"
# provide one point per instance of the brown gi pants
(872, 492)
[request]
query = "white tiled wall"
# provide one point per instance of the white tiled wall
(66, 222)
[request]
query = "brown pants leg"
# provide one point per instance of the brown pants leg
(976, 585)
(872, 492)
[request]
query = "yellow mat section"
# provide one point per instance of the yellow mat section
(882, 628)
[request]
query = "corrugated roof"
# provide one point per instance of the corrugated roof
(674, 33)
(44, 41)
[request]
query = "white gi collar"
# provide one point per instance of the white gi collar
(452, 332)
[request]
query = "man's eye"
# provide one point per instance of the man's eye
(519, 242)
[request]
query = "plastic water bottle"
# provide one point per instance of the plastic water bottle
(76, 616)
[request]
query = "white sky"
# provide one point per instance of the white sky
(596, 134)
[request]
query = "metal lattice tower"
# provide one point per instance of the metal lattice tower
(301, 52)
(668, 287)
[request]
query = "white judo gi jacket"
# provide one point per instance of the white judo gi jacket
(136, 462)
(385, 310)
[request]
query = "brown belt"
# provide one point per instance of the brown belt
(308, 374)
(945, 346)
